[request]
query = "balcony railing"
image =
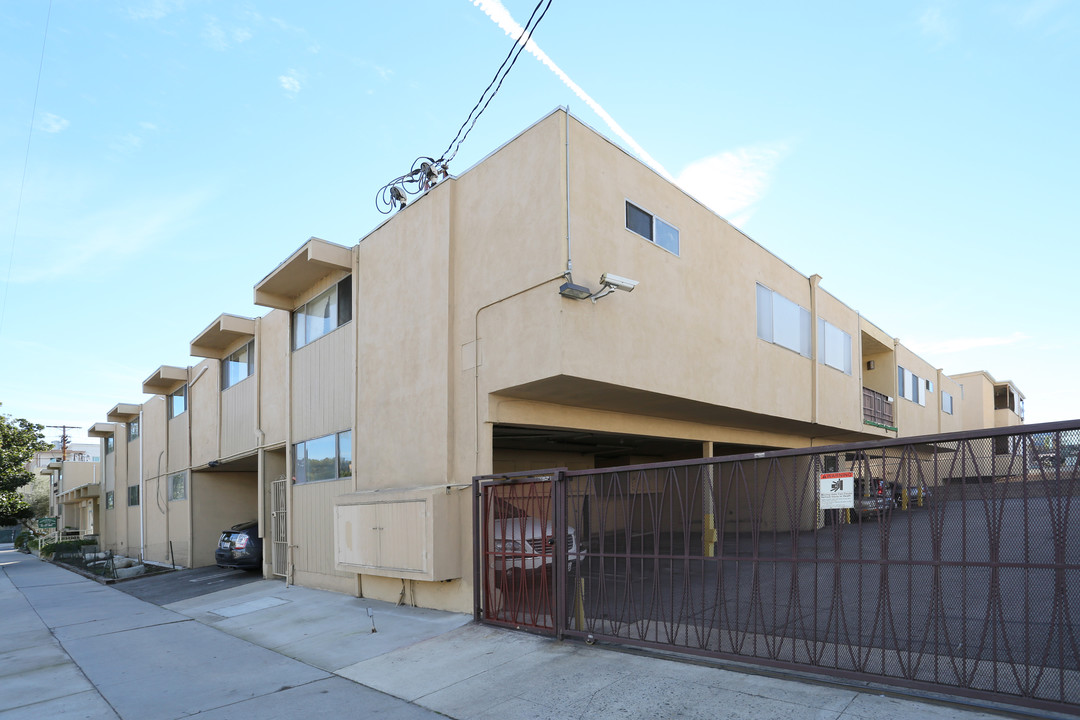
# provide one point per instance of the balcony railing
(877, 408)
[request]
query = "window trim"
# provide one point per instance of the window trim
(249, 364)
(823, 346)
(172, 486)
(170, 401)
(299, 472)
(342, 293)
(805, 348)
(653, 220)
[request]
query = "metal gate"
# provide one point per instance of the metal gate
(279, 525)
(954, 567)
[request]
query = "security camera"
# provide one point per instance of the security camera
(619, 283)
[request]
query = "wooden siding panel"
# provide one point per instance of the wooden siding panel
(313, 527)
(238, 418)
(323, 385)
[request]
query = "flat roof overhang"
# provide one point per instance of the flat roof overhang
(311, 263)
(165, 380)
(90, 490)
(101, 430)
(598, 395)
(220, 335)
(123, 413)
(55, 466)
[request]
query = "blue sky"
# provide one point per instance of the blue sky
(921, 156)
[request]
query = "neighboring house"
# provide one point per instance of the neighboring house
(454, 340)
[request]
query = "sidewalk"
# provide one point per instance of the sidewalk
(71, 648)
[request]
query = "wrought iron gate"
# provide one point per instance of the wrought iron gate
(279, 526)
(955, 567)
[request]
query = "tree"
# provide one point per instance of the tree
(19, 440)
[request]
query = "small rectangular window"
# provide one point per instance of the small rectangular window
(110, 444)
(324, 458)
(652, 228)
(783, 322)
(133, 495)
(178, 402)
(835, 346)
(345, 454)
(946, 403)
(133, 430)
(109, 500)
(178, 487)
(238, 366)
(327, 311)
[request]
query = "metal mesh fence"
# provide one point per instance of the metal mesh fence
(953, 562)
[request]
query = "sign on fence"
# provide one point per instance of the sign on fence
(837, 490)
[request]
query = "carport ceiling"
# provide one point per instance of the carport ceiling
(603, 445)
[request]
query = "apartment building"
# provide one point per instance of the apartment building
(557, 305)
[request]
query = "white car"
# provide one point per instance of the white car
(526, 544)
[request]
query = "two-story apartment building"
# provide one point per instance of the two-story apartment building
(559, 304)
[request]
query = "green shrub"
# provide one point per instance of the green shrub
(65, 546)
(22, 539)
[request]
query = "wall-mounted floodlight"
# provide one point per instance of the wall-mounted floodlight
(575, 292)
(609, 283)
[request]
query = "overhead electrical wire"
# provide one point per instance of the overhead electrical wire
(426, 171)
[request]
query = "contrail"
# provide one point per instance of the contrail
(501, 16)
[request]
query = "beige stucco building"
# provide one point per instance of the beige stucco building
(471, 333)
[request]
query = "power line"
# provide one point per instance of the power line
(427, 171)
(26, 163)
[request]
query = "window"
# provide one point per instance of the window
(328, 311)
(133, 430)
(325, 458)
(946, 403)
(178, 402)
(178, 487)
(910, 386)
(109, 500)
(835, 346)
(783, 322)
(110, 444)
(652, 228)
(133, 495)
(238, 366)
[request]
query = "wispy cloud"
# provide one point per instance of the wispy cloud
(290, 82)
(732, 182)
(153, 9)
(961, 344)
(935, 25)
(220, 38)
(52, 123)
(72, 245)
(501, 16)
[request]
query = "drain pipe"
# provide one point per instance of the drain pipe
(815, 349)
(142, 494)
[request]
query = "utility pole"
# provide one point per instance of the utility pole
(64, 439)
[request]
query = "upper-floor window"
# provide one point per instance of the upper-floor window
(835, 346)
(327, 311)
(133, 430)
(946, 403)
(238, 366)
(912, 387)
(783, 322)
(178, 486)
(325, 458)
(109, 500)
(110, 444)
(133, 495)
(652, 228)
(178, 401)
